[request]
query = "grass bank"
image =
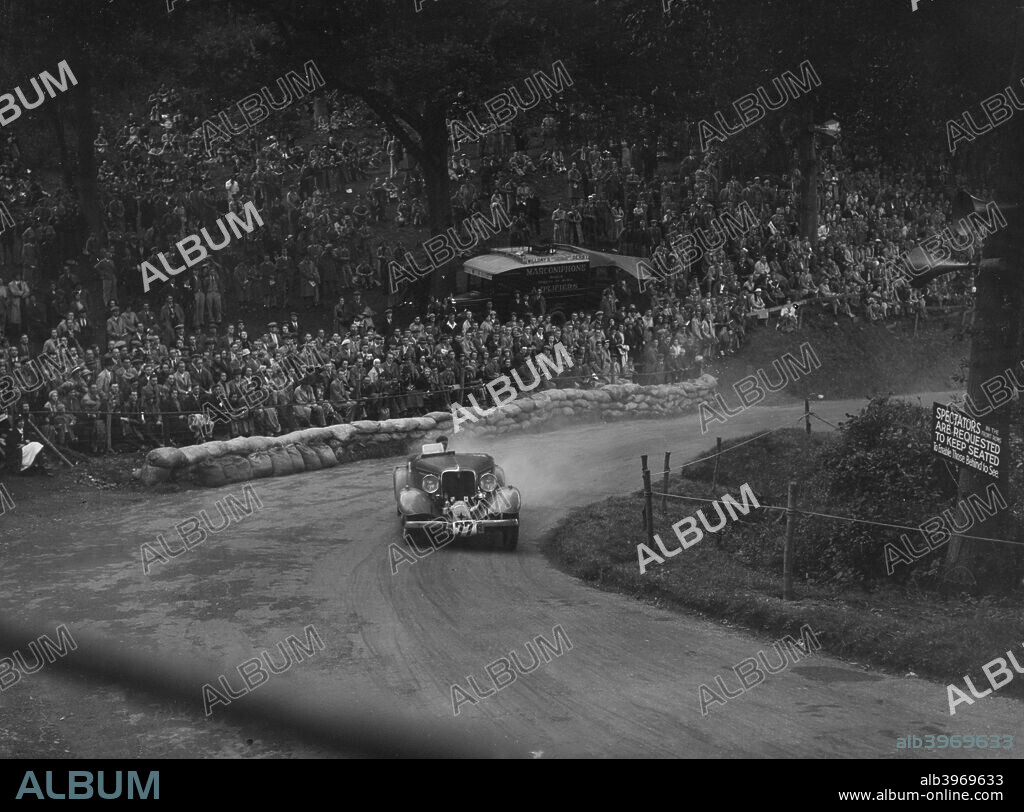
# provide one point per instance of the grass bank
(904, 631)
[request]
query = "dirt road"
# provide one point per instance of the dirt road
(317, 554)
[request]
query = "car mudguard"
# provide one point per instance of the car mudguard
(509, 499)
(401, 479)
(414, 502)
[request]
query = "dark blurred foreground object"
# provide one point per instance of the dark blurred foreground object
(355, 728)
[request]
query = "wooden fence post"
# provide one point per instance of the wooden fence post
(787, 550)
(718, 457)
(807, 414)
(646, 478)
(664, 489)
(648, 506)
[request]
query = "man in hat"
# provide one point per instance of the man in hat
(68, 279)
(304, 405)
(105, 379)
(146, 317)
(250, 364)
(199, 372)
(171, 315)
(341, 315)
(431, 329)
(225, 342)
(273, 338)
(130, 320)
(386, 326)
(116, 329)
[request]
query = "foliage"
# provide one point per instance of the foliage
(881, 469)
(885, 453)
(891, 76)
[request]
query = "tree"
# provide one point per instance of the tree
(29, 48)
(995, 348)
(417, 69)
(102, 44)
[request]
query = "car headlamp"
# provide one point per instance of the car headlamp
(488, 482)
(431, 483)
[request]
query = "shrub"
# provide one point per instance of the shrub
(881, 469)
(886, 452)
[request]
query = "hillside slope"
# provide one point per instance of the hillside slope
(857, 358)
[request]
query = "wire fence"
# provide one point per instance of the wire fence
(834, 517)
(733, 447)
(790, 510)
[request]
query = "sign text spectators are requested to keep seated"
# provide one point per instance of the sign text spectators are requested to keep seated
(967, 441)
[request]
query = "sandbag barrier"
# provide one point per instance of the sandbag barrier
(226, 462)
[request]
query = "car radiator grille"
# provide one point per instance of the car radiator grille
(458, 484)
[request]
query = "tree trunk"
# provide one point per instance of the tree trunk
(808, 182)
(439, 199)
(439, 203)
(62, 146)
(995, 348)
(85, 129)
(983, 564)
(430, 150)
(655, 136)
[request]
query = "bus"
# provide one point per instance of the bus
(570, 278)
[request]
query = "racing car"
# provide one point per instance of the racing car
(449, 495)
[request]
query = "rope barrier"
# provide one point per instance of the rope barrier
(801, 511)
(734, 447)
(823, 420)
(834, 517)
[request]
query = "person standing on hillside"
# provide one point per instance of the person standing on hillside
(107, 272)
(17, 297)
(538, 305)
(212, 287)
(194, 284)
(310, 283)
(558, 223)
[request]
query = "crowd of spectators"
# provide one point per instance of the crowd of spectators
(202, 356)
(869, 217)
(613, 196)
